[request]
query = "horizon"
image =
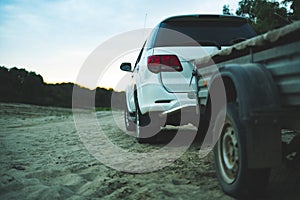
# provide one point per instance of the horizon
(49, 83)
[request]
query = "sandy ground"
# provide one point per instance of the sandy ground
(43, 157)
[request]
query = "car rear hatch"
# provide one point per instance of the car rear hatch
(179, 81)
(191, 37)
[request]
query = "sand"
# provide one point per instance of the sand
(43, 157)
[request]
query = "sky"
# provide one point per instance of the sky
(54, 38)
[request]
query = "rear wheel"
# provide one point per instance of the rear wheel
(230, 157)
(129, 123)
(146, 129)
(202, 132)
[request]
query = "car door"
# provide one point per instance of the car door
(132, 87)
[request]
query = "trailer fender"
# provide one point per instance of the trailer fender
(258, 100)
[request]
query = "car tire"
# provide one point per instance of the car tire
(230, 157)
(147, 127)
(202, 131)
(129, 123)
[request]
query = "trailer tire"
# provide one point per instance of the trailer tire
(230, 156)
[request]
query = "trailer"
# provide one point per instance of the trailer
(248, 95)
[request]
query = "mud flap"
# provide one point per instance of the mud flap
(264, 148)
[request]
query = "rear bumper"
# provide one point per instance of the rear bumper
(182, 115)
(154, 98)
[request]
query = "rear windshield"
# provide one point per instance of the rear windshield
(187, 33)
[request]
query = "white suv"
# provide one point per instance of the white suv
(162, 90)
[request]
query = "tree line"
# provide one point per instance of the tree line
(21, 86)
(265, 15)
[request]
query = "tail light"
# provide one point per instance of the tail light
(164, 63)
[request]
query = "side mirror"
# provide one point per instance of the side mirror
(126, 67)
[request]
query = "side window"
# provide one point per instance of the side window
(139, 56)
(152, 37)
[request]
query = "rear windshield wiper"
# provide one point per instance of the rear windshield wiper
(237, 40)
(209, 43)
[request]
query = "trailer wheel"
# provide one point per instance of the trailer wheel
(230, 157)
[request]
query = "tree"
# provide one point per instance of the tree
(21, 86)
(295, 6)
(226, 10)
(264, 15)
